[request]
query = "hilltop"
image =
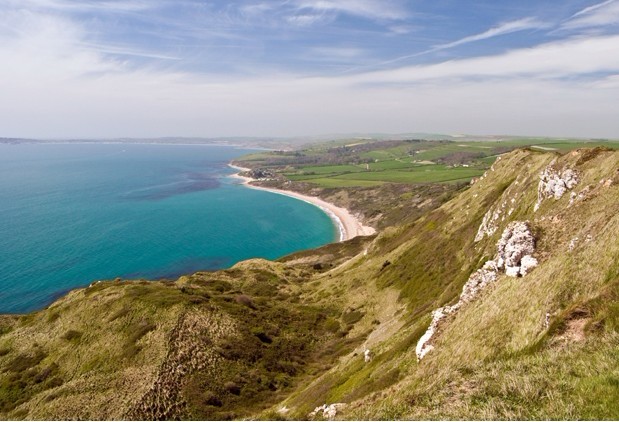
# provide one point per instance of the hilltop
(494, 300)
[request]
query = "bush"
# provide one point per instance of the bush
(139, 330)
(23, 361)
(134, 333)
(72, 335)
(53, 317)
(332, 325)
(211, 399)
(352, 317)
(119, 314)
(232, 388)
(262, 335)
(245, 300)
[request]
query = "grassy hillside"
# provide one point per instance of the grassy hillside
(275, 340)
(497, 359)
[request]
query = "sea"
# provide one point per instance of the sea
(71, 214)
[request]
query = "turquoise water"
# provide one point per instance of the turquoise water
(72, 214)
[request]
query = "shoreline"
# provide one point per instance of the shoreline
(347, 224)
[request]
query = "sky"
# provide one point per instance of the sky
(283, 68)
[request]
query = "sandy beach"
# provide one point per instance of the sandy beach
(348, 225)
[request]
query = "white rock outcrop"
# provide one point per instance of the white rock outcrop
(554, 183)
(329, 411)
(438, 315)
(516, 243)
(489, 224)
(514, 257)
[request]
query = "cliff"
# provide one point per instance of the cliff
(510, 290)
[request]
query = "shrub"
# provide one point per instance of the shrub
(262, 335)
(352, 317)
(134, 333)
(332, 325)
(119, 314)
(211, 399)
(53, 317)
(139, 330)
(72, 335)
(23, 361)
(245, 300)
(232, 388)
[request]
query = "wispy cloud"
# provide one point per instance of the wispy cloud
(77, 77)
(307, 19)
(84, 6)
(601, 14)
(370, 9)
(569, 58)
(125, 51)
(336, 54)
(502, 29)
(590, 9)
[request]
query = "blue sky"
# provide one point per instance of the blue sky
(146, 68)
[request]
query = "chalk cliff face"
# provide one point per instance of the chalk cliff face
(502, 303)
(555, 183)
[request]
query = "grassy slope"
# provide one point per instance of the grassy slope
(209, 346)
(262, 335)
(496, 359)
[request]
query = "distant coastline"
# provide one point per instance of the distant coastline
(348, 225)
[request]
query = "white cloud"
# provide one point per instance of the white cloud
(336, 53)
(502, 29)
(307, 19)
(84, 6)
(370, 9)
(53, 85)
(601, 14)
(553, 60)
(590, 9)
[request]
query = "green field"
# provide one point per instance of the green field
(419, 174)
(347, 164)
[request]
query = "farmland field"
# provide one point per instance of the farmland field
(367, 163)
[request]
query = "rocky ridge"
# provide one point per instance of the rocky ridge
(514, 258)
(554, 183)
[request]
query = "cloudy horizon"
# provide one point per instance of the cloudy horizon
(194, 68)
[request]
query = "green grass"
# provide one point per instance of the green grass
(385, 160)
(400, 163)
(421, 174)
(344, 183)
(329, 169)
(384, 171)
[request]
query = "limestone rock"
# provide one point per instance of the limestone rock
(329, 412)
(516, 242)
(438, 315)
(488, 225)
(573, 244)
(514, 257)
(527, 264)
(476, 283)
(554, 183)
